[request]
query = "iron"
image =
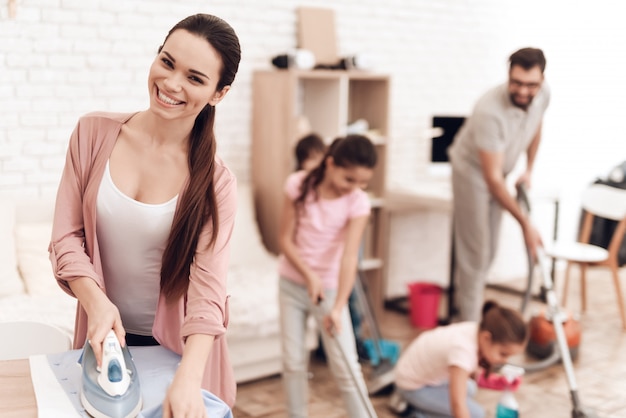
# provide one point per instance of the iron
(110, 391)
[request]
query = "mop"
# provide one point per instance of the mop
(362, 394)
(110, 391)
(382, 362)
(558, 317)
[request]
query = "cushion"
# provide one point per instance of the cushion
(32, 241)
(252, 276)
(246, 245)
(253, 301)
(58, 309)
(10, 281)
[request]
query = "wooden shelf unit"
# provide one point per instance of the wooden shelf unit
(329, 100)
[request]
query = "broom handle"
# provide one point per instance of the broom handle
(362, 299)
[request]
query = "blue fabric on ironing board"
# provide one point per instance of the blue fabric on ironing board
(215, 407)
(156, 366)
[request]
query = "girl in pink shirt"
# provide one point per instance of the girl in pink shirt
(324, 216)
(434, 373)
(144, 215)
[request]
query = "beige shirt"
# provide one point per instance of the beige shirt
(497, 125)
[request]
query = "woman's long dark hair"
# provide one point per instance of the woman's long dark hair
(350, 151)
(198, 203)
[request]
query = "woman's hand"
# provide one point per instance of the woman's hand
(102, 317)
(184, 398)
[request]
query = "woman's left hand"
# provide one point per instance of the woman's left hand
(183, 400)
(332, 322)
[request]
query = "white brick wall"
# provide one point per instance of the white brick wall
(62, 58)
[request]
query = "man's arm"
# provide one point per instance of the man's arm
(491, 163)
(531, 153)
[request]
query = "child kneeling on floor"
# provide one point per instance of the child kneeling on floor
(435, 373)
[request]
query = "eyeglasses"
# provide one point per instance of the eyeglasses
(519, 84)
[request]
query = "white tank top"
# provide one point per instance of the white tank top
(132, 236)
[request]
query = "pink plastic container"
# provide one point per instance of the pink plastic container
(424, 304)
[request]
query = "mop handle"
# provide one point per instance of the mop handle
(367, 311)
(362, 391)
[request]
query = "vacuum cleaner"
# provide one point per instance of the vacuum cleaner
(110, 391)
(558, 318)
(542, 339)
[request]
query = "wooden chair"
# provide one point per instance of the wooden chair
(598, 200)
(21, 339)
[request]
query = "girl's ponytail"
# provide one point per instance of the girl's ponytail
(488, 305)
(505, 325)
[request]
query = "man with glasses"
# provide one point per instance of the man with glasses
(505, 123)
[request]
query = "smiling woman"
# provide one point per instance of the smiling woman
(144, 215)
(184, 79)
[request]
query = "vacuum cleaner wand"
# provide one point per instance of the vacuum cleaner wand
(558, 319)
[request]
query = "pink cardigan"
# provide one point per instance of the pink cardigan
(74, 251)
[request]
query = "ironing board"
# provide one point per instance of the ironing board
(56, 381)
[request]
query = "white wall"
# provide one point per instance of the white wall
(62, 58)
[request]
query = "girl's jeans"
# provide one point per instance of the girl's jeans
(434, 401)
(295, 307)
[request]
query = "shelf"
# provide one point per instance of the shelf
(370, 264)
(376, 137)
(376, 202)
(329, 101)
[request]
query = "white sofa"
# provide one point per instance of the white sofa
(28, 291)
(253, 331)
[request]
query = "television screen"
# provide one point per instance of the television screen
(440, 144)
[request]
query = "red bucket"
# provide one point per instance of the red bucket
(424, 304)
